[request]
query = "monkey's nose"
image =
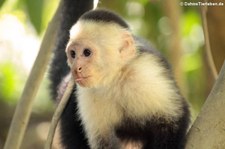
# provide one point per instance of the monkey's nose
(79, 69)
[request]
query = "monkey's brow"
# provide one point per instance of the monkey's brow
(74, 43)
(79, 42)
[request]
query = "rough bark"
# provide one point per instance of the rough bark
(208, 130)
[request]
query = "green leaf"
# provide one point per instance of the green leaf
(35, 10)
(1, 3)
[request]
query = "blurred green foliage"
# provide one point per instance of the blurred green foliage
(35, 12)
(9, 82)
(1, 3)
(30, 13)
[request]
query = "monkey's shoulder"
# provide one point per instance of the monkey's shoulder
(146, 67)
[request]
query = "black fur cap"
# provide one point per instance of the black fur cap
(102, 15)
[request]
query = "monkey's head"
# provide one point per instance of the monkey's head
(98, 49)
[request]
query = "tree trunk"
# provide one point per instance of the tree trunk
(208, 131)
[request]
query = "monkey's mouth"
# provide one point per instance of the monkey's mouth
(81, 79)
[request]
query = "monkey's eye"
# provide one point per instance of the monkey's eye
(87, 52)
(72, 53)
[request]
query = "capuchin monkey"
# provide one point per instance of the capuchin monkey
(125, 96)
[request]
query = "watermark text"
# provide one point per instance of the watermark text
(201, 4)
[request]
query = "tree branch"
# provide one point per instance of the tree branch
(207, 43)
(24, 107)
(58, 112)
(173, 12)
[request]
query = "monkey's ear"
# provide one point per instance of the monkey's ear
(128, 45)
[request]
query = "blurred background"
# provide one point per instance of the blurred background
(173, 29)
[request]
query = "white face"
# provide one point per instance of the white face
(81, 58)
(95, 53)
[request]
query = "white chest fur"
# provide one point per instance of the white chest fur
(99, 114)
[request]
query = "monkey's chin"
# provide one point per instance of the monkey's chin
(83, 82)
